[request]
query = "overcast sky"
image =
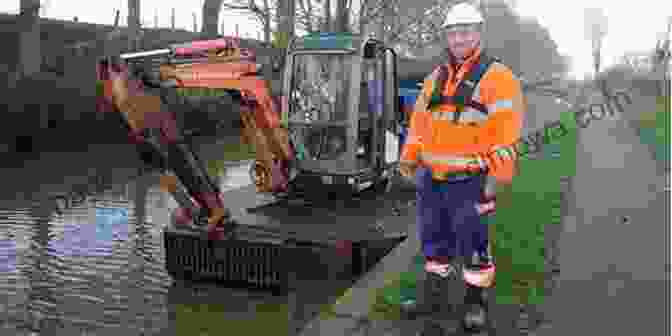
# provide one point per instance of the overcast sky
(633, 26)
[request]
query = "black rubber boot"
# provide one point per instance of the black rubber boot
(444, 294)
(503, 319)
(424, 304)
(475, 310)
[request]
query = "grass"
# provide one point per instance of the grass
(654, 129)
(518, 241)
(212, 320)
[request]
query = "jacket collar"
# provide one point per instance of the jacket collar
(456, 66)
(455, 72)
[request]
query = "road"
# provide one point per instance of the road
(613, 250)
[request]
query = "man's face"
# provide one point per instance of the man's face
(462, 39)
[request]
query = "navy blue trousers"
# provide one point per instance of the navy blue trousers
(448, 222)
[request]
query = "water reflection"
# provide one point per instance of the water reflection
(99, 266)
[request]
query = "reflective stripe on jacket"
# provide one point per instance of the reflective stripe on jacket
(436, 141)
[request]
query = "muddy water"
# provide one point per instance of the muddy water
(97, 268)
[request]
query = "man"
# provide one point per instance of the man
(454, 144)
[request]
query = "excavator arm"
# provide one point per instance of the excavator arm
(153, 128)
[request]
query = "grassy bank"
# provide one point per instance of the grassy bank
(654, 129)
(211, 320)
(524, 209)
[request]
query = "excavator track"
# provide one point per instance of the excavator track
(272, 235)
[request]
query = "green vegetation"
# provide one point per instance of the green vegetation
(211, 320)
(280, 40)
(231, 151)
(654, 129)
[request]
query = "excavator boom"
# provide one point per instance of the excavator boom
(213, 64)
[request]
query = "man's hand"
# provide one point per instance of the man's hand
(407, 170)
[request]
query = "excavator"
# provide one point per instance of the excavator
(335, 131)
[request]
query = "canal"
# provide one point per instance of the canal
(81, 253)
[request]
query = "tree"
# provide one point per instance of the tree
(595, 30)
(286, 19)
(134, 23)
(326, 22)
(30, 57)
(342, 15)
(263, 12)
(524, 45)
(210, 17)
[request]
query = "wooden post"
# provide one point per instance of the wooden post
(156, 19)
(195, 25)
(116, 18)
(237, 30)
(172, 19)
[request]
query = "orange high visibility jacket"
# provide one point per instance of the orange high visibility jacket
(476, 140)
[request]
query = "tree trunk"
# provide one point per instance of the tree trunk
(286, 18)
(210, 17)
(133, 23)
(30, 57)
(387, 20)
(326, 25)
(267, 22)
(341, 16)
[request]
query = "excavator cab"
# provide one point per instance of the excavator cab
(341, 112)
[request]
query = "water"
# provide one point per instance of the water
(98, 269)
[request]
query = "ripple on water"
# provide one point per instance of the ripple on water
(96, 268)
(81, 268)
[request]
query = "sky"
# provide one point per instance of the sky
(631, 28)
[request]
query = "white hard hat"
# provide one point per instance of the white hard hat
(462, 13)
